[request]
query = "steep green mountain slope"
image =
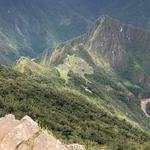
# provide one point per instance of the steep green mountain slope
(29, 27)
(111, 56)
(110, 45)
(72, 114)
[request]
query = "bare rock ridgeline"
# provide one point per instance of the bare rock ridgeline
(25, 134)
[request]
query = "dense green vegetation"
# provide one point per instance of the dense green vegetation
(101, 110)
(120, 80)
(71, 116)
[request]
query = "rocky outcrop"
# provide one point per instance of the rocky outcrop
(48, 142)
(25, 134)
(30, 67)
(144, 103)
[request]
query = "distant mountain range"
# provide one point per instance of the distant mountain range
(86, 81)
(29, 27)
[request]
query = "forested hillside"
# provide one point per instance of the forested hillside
(72, 116)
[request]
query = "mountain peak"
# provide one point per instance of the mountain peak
(105, 20)
(107, 25)
(104, 43)
(107, 40)
(108, 44)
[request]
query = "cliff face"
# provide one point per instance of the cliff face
(123, 47)
(116, 41)
(25, 134)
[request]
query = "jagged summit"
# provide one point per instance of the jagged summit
(105, 19)
(105, 40)
(25, 134)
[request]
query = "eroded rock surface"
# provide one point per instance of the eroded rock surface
(75, 147)
(144, 103)
(45, 142)
(25, 134)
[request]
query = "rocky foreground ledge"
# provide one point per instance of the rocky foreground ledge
(25, 134)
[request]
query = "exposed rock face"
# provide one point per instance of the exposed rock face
(25, 134)
(144, 103)
(75, 147)
(7, 123)
(45, 142)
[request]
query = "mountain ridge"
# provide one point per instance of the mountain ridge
(28, 28)
(111, 44)
(91, 89)
(114, 50)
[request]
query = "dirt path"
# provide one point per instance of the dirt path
(144, 103)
